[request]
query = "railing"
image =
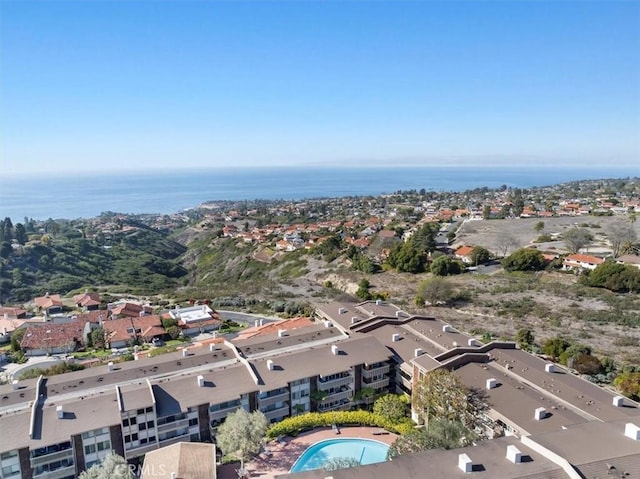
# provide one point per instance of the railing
(58, 473)
(222, 413)
(54, 456)
(173, 425)
(140, 450)
(384, 369)
(376, 383)
(283, 396)
(324, 386)
(283, 411)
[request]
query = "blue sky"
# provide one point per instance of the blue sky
(106, 85)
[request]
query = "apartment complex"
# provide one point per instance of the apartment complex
(64, 424)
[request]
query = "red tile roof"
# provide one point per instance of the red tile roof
(464, 251)
(50, 335)
(584, 258)
(124, 329)
(87, 299)
(48, 301)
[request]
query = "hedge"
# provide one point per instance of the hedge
(304, 422)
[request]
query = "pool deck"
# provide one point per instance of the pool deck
(279, 456)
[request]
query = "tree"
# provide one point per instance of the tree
(619, 236)
(5, 249)
(16, 339)
(577, 238)
(434, 291)
(440, 394)
(98, 338)
(554, 347)
(525, 339)
(486, 212)
(441, 434)
(628, 383)
(111, 467)
(524, 259)
(506, 242)
(363, 290)
(445, 265)
(241, 434)
(392, 407)
(174, 332)
(479, 255)
(538, 227)
(20, 233)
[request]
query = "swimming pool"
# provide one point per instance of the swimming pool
(366, 451)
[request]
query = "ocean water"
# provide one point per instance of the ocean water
(173, 191)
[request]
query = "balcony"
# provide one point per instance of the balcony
(273, 399)
(173, 425)
(343, 393)
(327, 384)
(54, 456)
(372, 371)
(376, 383)
(277, 413)
(140, 450)
(58, 473)
(222, 413)
(173, 440)
(345, 402)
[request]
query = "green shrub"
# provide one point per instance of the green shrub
(297, 424)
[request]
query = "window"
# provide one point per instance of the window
(125, 422)
(149, 409)
(90, 449)
(142, 426)
(127, 438)
(104, 445)
(193, 422)
(9, 471)
(134, 437)
(140, 411)
(144, 440)
(133, 421)
(152, 439)
(150, 424)
(8, 455)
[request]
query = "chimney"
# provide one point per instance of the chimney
(256, 323)
(282, 333)
(110, 366)
(378, 302)
(550, 367)
(540, 414)
(464, 463)
(472, 342)
(632, 431)
(215, 334)
(417, 352)
(513, 454)
(395, 337)
(618, 401)
(342, 310)
(212, 347)
(334, 349)
(6, 315)
(354, 319)
(492, 383)
(173, 475)
(185, 352)
(398, 314)
(60, 412)
(200, 381)
(446, 328)
(141, 313)
(15, 384)
(270, 365)
(327, 324)
(261, 321)
(136, 356)
(454, 344)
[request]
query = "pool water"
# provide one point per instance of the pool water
(366, 451)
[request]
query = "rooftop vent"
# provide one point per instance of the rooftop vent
(446, 328)
(472, 342)
(334, 349)
(60, 412)
(417, 352)
(395, 337)
(212, 347)
(513, 454)
(540, 414)
(398, 314)
(200, 381)
(261, 321)
(464, 463)
(550, 368)
(354, 319)
(327, 324)
(185, 352)
(110, 366)
(282, 333)
(14, 384)
(492, 383)
(342, 310)
(632, 431)
(270, 365)
(618, 401)
(378, 302)
(256, 323)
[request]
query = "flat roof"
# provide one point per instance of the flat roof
(404, 348)
(488, 457)
(136, 396)
(591, 442)
(300, 337)
(220, 385)
(516, 402)
(80, 415)
(319, 360)
(581, 394)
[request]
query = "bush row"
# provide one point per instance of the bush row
(296, 424)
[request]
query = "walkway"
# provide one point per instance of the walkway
(280, 455)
